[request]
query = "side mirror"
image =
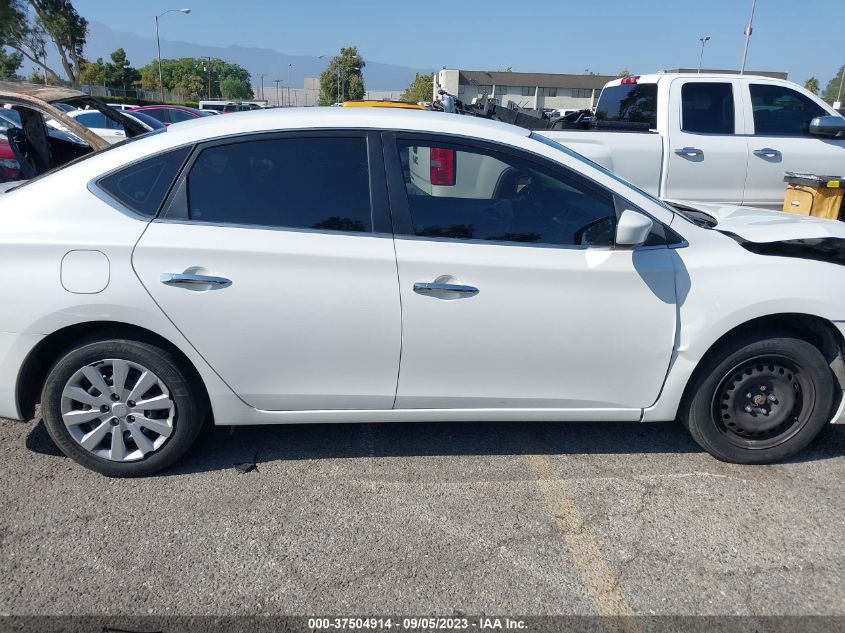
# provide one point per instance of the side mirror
(633, 228)
(829, 126)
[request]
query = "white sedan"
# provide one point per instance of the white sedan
(362, 265)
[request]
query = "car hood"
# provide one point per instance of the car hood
(762, 225)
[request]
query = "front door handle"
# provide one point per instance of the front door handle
(767, 152)
(689, 151)
(189, 279)
(436, 288)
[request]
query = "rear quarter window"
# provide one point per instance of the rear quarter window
(628, 106)
(143, 186)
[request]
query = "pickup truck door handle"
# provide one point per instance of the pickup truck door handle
(767, 152)
(187, 280)
(435, 289)
(689, 151)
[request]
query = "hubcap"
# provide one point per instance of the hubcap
(118, 410)
(763, 402)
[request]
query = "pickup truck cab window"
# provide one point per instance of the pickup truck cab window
(781, 111)
(708, 108)
(473, 193)
(631, 106)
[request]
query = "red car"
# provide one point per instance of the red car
(9, 168)
(169, 114)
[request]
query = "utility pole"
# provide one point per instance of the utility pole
(208, 73)
(338, 83)
(838, 103)
(748, 30)
(277, 82)
(703, 39)
(262, 76)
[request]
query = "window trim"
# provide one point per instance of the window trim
(175, 207)
(403, 224)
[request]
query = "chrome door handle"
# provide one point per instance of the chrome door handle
(689, 151)
(767, 152)
(435, 288)
(187, 279)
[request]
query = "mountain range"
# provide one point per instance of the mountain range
(102, 40)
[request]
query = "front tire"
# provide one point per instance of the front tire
(758, 400)
(120, 407)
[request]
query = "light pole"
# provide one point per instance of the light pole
(748, 30)
(838, 103)
(158, 46)
(277, 82)
(704, 39)
(290, 70)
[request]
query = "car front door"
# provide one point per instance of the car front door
(275, 260)
(513, 295)
(780, 142)
(707, 151)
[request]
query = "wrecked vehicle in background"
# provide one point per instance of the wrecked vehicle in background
(39, 147)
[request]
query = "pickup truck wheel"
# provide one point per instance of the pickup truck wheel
(759, 400)
(120, 407)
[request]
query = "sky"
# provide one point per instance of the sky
(564, 36)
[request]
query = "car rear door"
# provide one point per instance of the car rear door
(779, 142)
(512, 293)
(275, 259)
(707, 153)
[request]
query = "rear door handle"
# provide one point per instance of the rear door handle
(188, 279)
(767, 152)
(434, 289)
(689, 151)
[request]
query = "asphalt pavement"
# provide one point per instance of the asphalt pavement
(441, 518)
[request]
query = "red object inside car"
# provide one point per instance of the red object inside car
(9, 168)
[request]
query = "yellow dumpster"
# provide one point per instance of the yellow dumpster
(808, 194)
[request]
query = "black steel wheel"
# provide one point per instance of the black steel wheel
(759, 399)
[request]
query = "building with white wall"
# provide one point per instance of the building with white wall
(527, 90)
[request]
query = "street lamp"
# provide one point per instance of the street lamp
(704, 39)
(158, 46)
(278, 102)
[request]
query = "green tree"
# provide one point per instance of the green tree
(812, 84)
(190, 77)
(26, 25)
(342, 79)
(233, 88)
(119, 71)
(831, 91)
(9, 64)
(624, 73)
(421, 89)
(93, 73)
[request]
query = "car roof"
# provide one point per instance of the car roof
(164, 106)
(266, 120)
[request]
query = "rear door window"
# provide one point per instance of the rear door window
(297, 182)
(781, 111)
(92, 120)
(707, 108)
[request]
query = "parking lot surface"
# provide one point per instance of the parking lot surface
(530, 519)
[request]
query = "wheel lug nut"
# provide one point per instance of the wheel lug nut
(748, 395)
(131, 418)
(115, 421)
(131, 403)
(772, 398)
(762, 387)
(104, 408)
(748, 409)
(115, 397)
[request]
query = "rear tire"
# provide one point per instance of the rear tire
(759, 399)
(122, 408)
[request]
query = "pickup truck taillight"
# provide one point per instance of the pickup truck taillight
(442, 166)
(631, 79)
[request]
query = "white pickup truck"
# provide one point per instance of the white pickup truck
(711, 138)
